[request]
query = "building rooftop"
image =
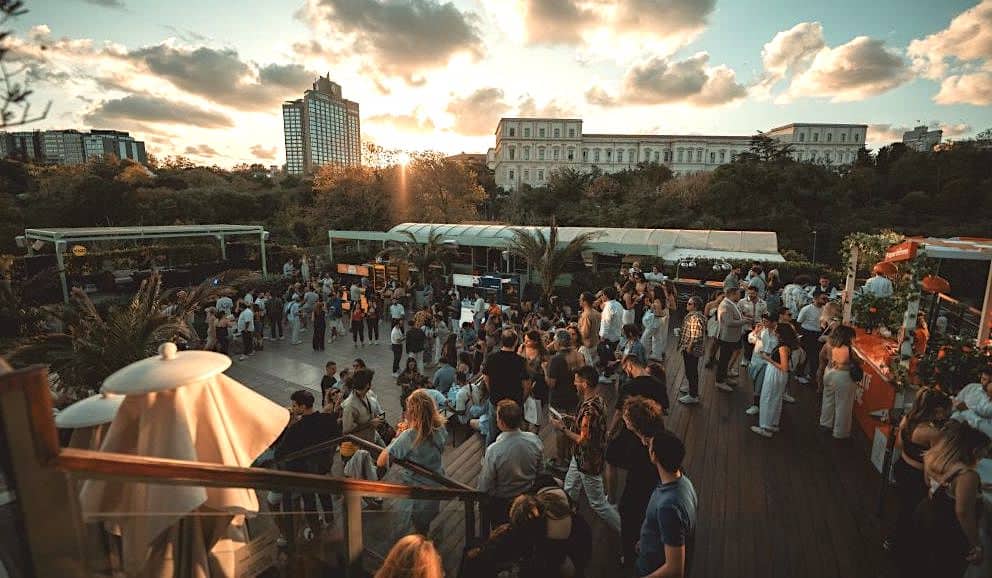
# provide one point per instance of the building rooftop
(824, 124)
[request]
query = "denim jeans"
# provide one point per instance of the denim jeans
(576, 481)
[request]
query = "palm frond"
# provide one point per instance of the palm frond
(544, 253)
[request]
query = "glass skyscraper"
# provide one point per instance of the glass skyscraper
(321, 128)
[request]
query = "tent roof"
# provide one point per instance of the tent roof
(964, 248)
(152, 232)
(748, 245)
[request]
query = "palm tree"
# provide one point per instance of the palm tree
(92, 345)
(421, 255)
(546, 255)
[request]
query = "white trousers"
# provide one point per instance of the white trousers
(772, 390)
(838, 402)
(294, 329)
(576, 481)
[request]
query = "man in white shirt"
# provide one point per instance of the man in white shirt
(728, 337)
(511, 463)
(809, 334)
(396, 312)
(752, 308)
(287, 268)
(246, 326)
(879, 285)
(249, 299)
(611, 320)
(355, 292)
(396, 339)
(293, 313)
(225, 304)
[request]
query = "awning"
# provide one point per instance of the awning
(677, 255)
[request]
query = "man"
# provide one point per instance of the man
(753, 308)
(511, 465)
(611, 324)
(825, 288)
(809, 334)
(444, 377)
(274, 314)
(756, 279)
(692, 344)
(246, 325)
(879, 285)
(310, 299)
(249, 298)
(355, 293)
(396, 312)
(287, 268)
(307, 428)
(733, 279)
(396, 339)
(728, 338)
(589, 323)
(587, 430)
(505, 371)
(479, 310)
(225, 305)
(295, 309)
(416, 344)
(641, 383)
(670, 520)
(328, 380)
(559, 376)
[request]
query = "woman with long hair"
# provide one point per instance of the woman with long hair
(372, 316)
(836, 412)
(918, 431)
(535, 355)
(420, 439)
(775, 379)
(412, 556)
(947, 520)
(655, 323)
(410, 379)
(319, 326)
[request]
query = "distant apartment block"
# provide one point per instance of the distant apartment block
(528, 149)
(321, 128)
(922, 138)
(70, 147)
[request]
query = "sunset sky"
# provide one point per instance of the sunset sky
(206, 78)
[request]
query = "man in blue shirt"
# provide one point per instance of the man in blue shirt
(670, 519)
(444, 377)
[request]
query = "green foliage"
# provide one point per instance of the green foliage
(546, 256)
(872, 312)
(953, 362)
(421, 255)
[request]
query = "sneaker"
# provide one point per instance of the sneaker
(396, 374)
(753, 410)
(788, 398)
(803, 380)
(307, 534)
(242, 358)
(743, 363)
(684, 389)
(281, 337)
(688, 399)
(772, 428)
(724, 387)
(761, 431)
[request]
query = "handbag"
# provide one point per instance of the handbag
(857, 371)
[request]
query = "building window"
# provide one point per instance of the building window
(540, 153)
(510, 174)
(571, 133)
(699, 155)
(712, 158)
(526, 175)
(595, 155)
(830, 136)
(571, 154)
(668, 156)
(826, 156)
(681, 151)
(656, 156)
(816, 137)
(647, 155)
(619, 155)
(857, 138)
(526, 132)
(609, 155)
(513, 131)
(802, 137)
(843, 137)
(540, 174)
(631, 155)
(585, 155)
(554, 153)
(540, 132)
(557, 133)
(723, 156)
(513, 153)
(526, 153)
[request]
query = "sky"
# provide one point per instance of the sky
(206, 78)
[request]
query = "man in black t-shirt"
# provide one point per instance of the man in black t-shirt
(642, 383)
(416, 343)
(560, 376)
(505, 371)
(328, 381)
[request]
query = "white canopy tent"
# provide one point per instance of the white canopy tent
(671, 245)
(62, 239)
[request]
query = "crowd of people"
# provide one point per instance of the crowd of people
(594, 373)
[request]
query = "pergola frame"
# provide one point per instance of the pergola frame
(62, 238)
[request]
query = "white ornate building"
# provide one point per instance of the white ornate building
(528, 149)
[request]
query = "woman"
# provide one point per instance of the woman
(632, 343)
(319, 326)
(947, 521)
(536, 356)
(838, 387)
(629, 302)
(643, 418)
(409, 380)
(712, 326)
(449, 349)
(222, 326)
(775, 380)
(830, 319)
(412, 556)
(441, 334)
(358, 324)
(918, 431)
(655, 323)
(372, 316)
(420, 439)
(211, 317)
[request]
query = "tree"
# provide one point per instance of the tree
(764, 148)
(351, 198)
(421, 255)
(441, 190)
(15, 108)
(546, 255)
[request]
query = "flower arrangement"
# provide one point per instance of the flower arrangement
(871, 312)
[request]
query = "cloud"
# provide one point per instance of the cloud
(790, 51)
(119, 4)
(479, 112)
(413, 122)
(201, 150)
(662, 81)
(856, 70)
(153, 109)
(884, 133)
(260, 152)
(528, 107)
(974, 88)
(598, 96)
(556, 21)
(664, 17)
(403, 37)
(222, 76)
(966, 39)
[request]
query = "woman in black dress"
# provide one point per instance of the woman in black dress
(319, 326)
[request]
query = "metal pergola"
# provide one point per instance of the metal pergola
(61, 238)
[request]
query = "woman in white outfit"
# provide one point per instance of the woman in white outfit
(776, 377)
(838, 387)
(655, 336)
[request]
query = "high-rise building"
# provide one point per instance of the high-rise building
(922, 138)
(321, 128)
(528, 150)
(70, 147)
